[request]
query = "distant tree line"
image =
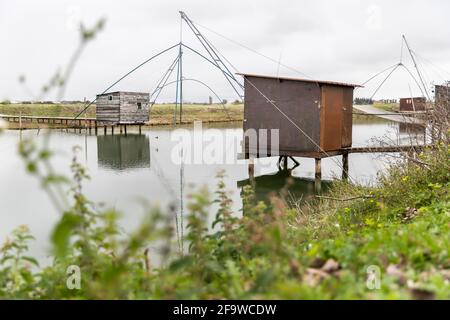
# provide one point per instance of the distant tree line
(362, 101)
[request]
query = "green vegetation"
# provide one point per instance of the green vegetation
(321, 250)
(45, 109)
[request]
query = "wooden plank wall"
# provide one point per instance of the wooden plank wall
(129, 109)
(106, 109)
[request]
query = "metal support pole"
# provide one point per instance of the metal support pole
(176, 92)
(181, 83)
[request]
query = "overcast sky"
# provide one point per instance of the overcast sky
(345, 40)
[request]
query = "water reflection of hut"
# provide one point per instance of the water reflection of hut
(122, 152)
(283, 184)
(412, 129)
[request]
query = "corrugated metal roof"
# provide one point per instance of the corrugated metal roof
(340, 84)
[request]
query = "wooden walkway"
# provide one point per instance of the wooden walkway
(68, 121)
(343, 151)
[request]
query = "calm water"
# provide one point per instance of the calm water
(126, 169)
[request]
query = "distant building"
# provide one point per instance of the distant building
(122, 107)
(413, 104)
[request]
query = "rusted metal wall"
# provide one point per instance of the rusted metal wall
(331, 118)
(347, 121)
(320, 113)
(298, 101)
(413, 104)
(336, 117)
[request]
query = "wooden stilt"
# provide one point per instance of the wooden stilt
(285, 162)
(112, 130)
(140, 129)
(345, 166)
(318, 175)
(125, 129)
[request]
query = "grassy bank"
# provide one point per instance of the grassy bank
(160, 114)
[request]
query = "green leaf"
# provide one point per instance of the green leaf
(181, 263)
(61, 233)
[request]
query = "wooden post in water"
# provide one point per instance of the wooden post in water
(125, 129)
(20, 120)
(345, 166)
(140, 129)
(318, 175)
(112, 129)
(285, 162)
(251, 168)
